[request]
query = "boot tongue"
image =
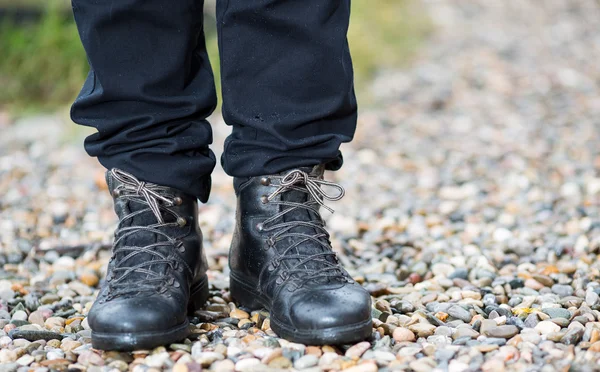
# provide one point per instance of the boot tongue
(140, 238)
(309, 246)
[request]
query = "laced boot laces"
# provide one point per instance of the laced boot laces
(137, 269)
(303, 245)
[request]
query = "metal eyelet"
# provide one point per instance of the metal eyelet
(265, 181)
(180, 247)
(177, 201)
(264, 199)
(260, 226)
(181, 221)
(273, 265)
(116, 193)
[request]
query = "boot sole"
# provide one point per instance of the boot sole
(128, 341)
(246, 294)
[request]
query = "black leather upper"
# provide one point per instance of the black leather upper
(136, 306)
(318, 296)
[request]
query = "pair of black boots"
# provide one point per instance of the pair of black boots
(280, 259)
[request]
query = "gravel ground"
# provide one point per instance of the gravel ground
(471, 215)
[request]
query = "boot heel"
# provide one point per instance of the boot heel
(198, 295)
(245, 294)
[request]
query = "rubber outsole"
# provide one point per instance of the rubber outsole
(128, 341)
(246, 295)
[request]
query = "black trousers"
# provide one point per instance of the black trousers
(286, 75)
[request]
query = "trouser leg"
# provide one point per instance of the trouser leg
(149, 91)
(287, 83)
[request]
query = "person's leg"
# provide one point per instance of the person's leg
(149, 91)
(148, 94)
(287, 84)
(288, 93)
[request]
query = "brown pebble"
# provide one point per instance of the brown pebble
(314, 350)
(414, 278)
(595, 346)
(595, 335)
(89, 278)
(402, 335)
(441, 316)
(239, 314)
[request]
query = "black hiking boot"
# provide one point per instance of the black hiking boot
(281, 259)
(157, 272)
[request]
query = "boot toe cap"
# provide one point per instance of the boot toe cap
(330, 308)
(132, 315)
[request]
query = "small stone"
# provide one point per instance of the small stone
(401, 334)
(7, 356)
(239, 314)
(503, 331)
(573, 336)
(180, 367)
(562, 290)
(557, 312)
(280, 362)
(306, 361)
(591, 298)
(36, 317)
(595, 347)
(460, 313)
(32, 335)
(69, 345)
(89, 357)
(248, 364)
(546, 327)
(543, 279)
(208, 357)
(19, 315)
(533, 284)
(358, 350)
(465, 332)
(223, 366)
(25, 360)
(314, 350)
(54, 323)
(531, 321)
(502, 234)
(422, 329)
(89, 278)
(363, 367)
(442, 269)
(487, 324)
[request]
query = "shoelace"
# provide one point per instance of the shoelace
(159, 200)
(299, 180)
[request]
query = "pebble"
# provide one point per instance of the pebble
(401, 334)
(306, 361)
(503, 331)
(557, 312)
(562, 290)
(546, 327)
(460, 313)
(356, 351)
(34, 335)
(422, 329)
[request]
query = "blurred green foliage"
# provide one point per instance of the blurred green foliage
(42, 63)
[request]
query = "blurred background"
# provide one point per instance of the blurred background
(43, 63)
